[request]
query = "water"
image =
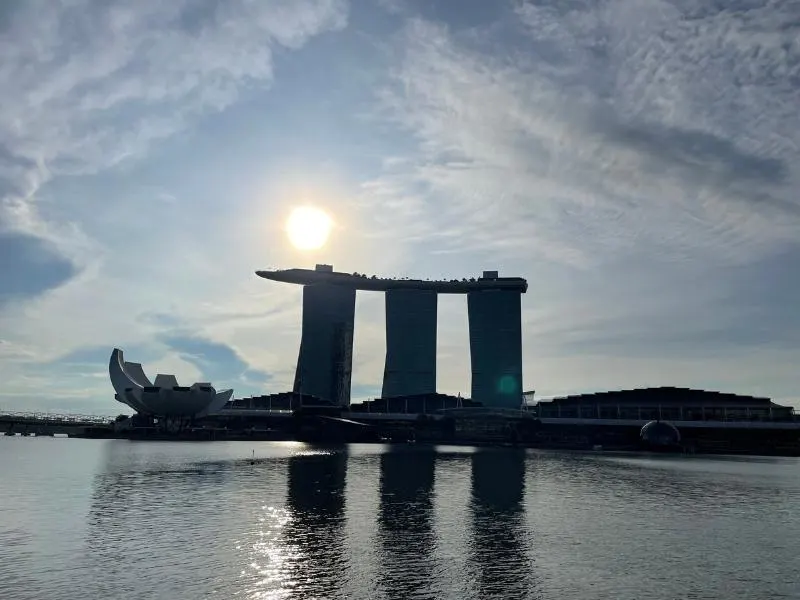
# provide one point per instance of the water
(93, 519)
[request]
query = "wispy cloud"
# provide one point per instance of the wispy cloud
(90, 83)
(88, 86)
(556, 134)
(637, 162)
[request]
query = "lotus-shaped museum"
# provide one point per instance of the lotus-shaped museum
(163, 397)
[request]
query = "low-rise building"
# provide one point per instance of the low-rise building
(667, 403)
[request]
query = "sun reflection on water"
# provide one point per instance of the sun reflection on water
(271, 556)
(296, 549)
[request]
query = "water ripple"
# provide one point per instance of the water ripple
(138, 521)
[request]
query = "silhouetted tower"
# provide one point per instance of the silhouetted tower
(325, 363)
(410, 343)
(495, 345)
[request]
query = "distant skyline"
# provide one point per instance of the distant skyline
(637, 162)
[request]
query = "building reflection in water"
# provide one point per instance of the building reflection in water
(191, 529)
(405, 522)
(316, 525)
(499, 555)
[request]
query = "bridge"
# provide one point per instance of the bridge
(49, 424)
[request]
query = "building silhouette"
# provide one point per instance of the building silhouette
(410, 343)
(406, 536)
(495, 346)
(315, 498)
(500, 554)
(324, 366)
(325, 363)
(666, 402)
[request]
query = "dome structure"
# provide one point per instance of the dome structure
(660, 434)
(163, 397)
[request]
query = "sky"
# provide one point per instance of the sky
(635, 160)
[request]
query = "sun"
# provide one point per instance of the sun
(308, 228)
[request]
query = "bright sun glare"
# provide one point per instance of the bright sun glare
(308, 228)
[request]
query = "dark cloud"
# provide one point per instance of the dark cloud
(199, 15)
(7, 10)
(220, 364)
(28, 267)
(739, 9)
(708, 156)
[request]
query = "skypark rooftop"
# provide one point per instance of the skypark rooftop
(359, 281)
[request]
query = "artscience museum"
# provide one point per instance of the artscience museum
(162, 397)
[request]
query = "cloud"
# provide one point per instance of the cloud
(95, 83)
(29, 267)
(90, 87)
(637, 162)
(552, 134)
(219, 363)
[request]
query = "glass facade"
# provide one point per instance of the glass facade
(495, 343)
(324, 366)
(410, 343)
(325, 363)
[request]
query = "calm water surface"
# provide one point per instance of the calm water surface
(92, 519)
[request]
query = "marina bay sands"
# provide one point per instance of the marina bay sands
(324, 365)
(409, 408)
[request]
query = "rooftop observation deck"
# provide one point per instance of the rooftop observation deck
(359, 281)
